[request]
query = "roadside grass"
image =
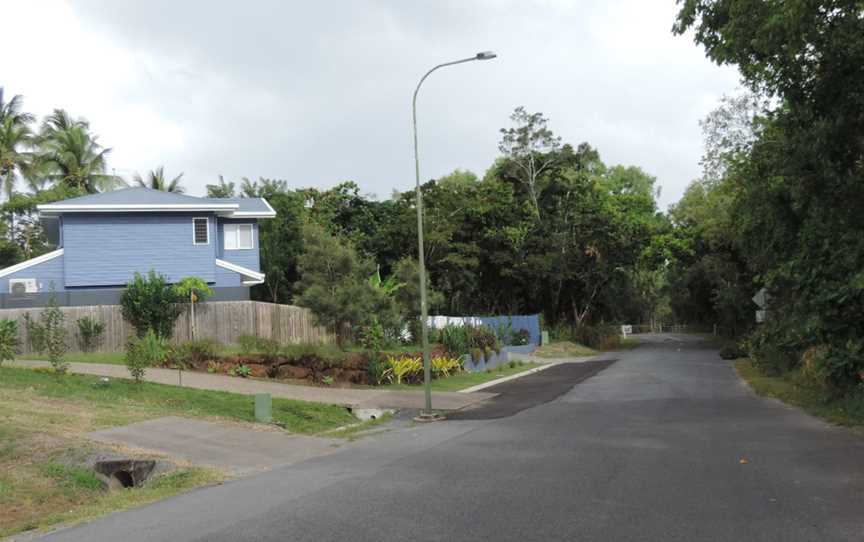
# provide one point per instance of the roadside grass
(627, 344)
(111, 358)
(466, 379)
(846, 410)
(44, 418)
(122, 401)
(564, 349)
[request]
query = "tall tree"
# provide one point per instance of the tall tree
(531, 146)
(74, 157)
(15, 138)
(156, 180)
(798, 197)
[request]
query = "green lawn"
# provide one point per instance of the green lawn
(122, 401)
(465, 380)
(846, 410)
(113, 358)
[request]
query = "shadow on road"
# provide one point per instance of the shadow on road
(532, 390)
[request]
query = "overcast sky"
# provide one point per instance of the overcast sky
(320, 92)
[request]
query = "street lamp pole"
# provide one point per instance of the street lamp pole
(421, 257)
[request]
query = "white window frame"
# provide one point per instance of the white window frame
(194, 241)
(236, 236)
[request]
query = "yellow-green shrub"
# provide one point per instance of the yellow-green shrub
(446, 366)
(403, 369)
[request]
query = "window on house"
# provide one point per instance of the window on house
(238, 236)
(200, 231)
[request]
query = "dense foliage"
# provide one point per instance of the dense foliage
(151, 303)
(789, 201)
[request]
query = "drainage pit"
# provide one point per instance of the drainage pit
(124, 473)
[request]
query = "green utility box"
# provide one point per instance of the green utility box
(544, 338)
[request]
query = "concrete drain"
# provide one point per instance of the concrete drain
(124, 473)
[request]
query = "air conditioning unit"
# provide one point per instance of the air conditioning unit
(23, 286)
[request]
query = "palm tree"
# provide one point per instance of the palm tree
(12, 109)
(60, 121)
(15, 136)
(73, 156)
(14, 160)
(156, 181)
(221, 190)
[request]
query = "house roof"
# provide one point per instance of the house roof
(141, 199)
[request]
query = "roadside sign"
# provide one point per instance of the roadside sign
(626, 330)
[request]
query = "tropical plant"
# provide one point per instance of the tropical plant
(445, 366)
(456, 339)
(15, 160)
(222, 190)
(156, 180)
(403, 369)
(241, 370)
(8, 339)
(74, 157)
(150, 303)
(89, 333)
(194, 289)
(144, 352)
(52, 321)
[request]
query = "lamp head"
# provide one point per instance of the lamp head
(485, 55)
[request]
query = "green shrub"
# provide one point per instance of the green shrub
(145, 352)
(151, 303)
(89, 333)
(248, 344)
(520, 337)
(484, 338)
(35, 334)
(198, 351)
(732, 351)
(456, 339)
(8, 339)
(372, 338)
(52, 321)
(270, 349)
(242, 370)
(476, 355)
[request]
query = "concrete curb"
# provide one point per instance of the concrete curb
(503, 379)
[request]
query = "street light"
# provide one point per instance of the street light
(427, 413)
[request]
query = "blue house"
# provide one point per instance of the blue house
(103, 239)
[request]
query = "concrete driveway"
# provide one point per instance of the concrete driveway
(648, 449)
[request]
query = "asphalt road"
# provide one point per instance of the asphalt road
(648, 449)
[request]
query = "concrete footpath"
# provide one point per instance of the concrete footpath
(355, 398)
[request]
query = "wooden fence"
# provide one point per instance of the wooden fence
(224, 321)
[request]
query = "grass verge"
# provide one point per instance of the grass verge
(44, 418)
(466, 380)
(564, 349)
(846, 410)
(123, 401)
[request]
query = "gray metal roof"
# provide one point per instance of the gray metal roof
(141, 197)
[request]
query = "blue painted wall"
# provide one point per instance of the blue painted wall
(107, 249)
(249, 258)
(529, 322)
(45, 274)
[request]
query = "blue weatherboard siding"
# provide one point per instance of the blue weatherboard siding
(107, 249)
(45, 273)
(248, 258)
